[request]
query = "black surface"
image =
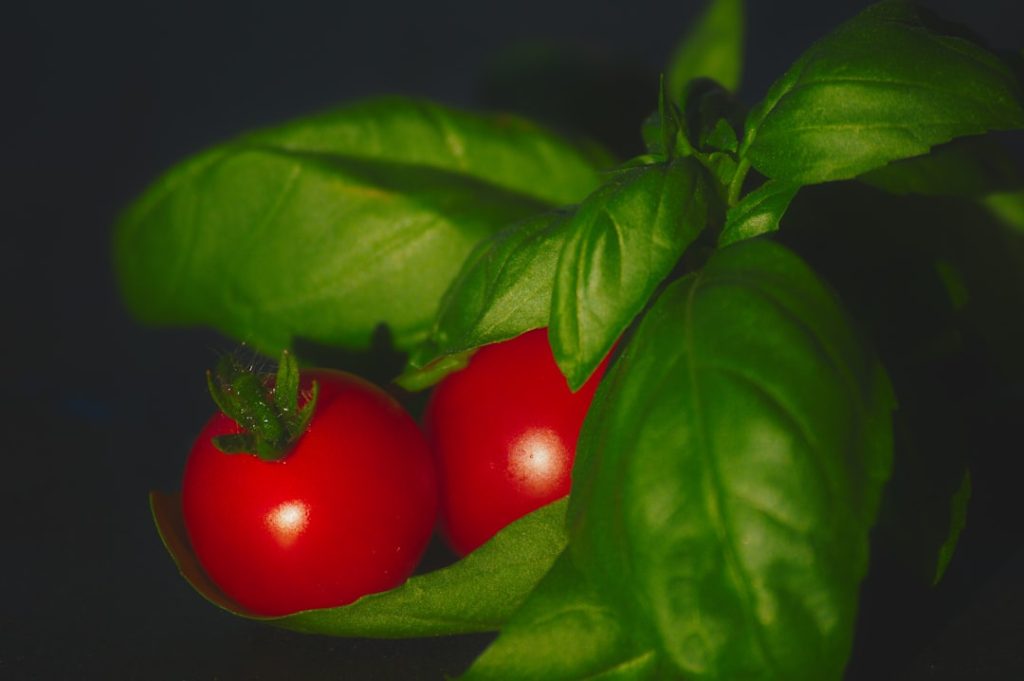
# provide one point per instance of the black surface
(97, 410)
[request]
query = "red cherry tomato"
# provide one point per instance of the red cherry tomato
(503, 432)
(347, 512)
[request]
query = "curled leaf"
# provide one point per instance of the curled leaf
(478, 593)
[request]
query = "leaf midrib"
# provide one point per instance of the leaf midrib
(716, 495)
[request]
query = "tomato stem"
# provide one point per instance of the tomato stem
(265, 407)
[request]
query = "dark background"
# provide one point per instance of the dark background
(98, 99)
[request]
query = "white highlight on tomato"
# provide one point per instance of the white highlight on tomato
(287, 521)
(536, 460)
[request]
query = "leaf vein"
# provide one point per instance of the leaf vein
(716, 495)
(788, 413)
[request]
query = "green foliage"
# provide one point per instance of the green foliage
(957, 522)
(622, 242)
(663, 131)
(1007, 207)
(975, 168)
(565, 630)
(971, 168)
(478, 593)
(324, 228)
(503, 290)
(889, 84)
(712, 116)
(731, 467)
(733, 462)
(713, 48)
(758, 213)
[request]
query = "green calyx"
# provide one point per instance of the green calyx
(267, 410)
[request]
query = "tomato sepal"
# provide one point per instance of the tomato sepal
(266, 407)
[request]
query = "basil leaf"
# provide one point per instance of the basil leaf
(884, 86)
(712, 116)
(969, 168)
(503, 289)
(320, 230)
(1007, 208)
(713, 48)
(723, 166)
(565, 631)
(662, 131)
(500, 149)
(759, 212)
(622, 242)
(722, 137)
(957, 522)
(730, 469)
(924, 508)
(478, 593)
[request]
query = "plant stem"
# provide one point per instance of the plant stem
(736, 185)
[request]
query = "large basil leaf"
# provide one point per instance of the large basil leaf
(622, 242)
(889, 84)
(565, 631)
(503, 150)
(713, 48)
(322, 229)
(731, 467)
(899, 265)
(478, 593)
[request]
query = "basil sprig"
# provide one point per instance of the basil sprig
(735, 459)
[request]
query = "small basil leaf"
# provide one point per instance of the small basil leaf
(722, 137)
(970, 168)
(478, 593)
(663, 135)
(731, 467)
(622, 242)
(723, 166)
(1007, 208)
(713, 48)
(565, 631)
(924, 508)
(889, 84)
(957, 522)
(759, 212)
(504, 287)
(712, 116)
(323, 229)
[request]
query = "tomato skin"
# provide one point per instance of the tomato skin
(349, 511)
(503, 433)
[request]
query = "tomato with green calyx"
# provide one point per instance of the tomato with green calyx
(295, 504)
(503, 433)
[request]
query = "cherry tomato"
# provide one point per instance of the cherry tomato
(503, 432)
(347, 511)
